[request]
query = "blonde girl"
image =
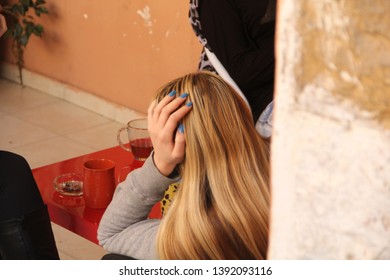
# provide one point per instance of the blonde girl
(204, 137)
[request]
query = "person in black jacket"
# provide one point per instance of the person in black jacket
(25, 228)
(239, 34)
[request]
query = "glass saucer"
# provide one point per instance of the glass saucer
(70, 184)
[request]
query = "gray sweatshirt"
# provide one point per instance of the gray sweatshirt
(125, 228)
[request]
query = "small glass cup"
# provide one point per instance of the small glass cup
(70, 184)
(140, 143)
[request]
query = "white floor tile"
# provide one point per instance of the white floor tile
(99, 137)
(62, 117)
(74, 247)
(15, 132)
(51, 150)
(14, 97)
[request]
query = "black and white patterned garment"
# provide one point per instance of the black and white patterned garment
(264, 122)
(204, 62)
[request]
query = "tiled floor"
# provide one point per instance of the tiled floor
(44, 130)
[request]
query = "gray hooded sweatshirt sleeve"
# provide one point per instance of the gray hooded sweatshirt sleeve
(125, 228)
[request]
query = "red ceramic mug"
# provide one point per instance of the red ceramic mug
(99, 182)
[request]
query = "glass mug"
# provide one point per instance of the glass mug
(140, 143)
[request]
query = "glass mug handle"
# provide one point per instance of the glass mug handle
(118, 138)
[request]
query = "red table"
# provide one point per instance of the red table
(71, 212)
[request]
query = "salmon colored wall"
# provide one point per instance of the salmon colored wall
(120, 50)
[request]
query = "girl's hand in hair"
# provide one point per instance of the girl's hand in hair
(166, 131)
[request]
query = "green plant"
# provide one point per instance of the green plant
(21, 25)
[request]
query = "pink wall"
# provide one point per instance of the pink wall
(120, 50)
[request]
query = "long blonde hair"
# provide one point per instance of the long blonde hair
(221, 208)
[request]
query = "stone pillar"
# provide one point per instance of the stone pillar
(331, 141)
